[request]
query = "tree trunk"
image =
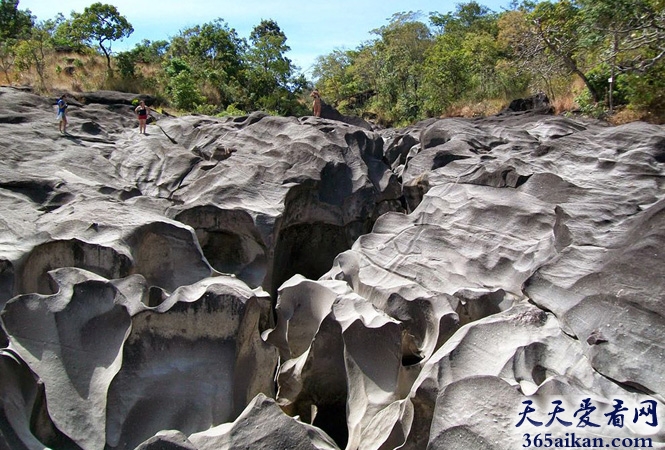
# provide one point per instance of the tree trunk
(572, 66)
(106, 53)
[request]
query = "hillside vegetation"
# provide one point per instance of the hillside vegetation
(604, 58)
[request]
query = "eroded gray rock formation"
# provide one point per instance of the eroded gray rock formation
(264, 282)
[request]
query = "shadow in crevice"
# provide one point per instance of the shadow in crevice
(307, 249)
(230, 242)
(104, 261)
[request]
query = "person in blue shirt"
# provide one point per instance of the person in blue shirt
(62, 114)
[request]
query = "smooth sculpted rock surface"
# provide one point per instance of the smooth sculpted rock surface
(312, 283)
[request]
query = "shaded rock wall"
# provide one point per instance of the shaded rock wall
(265, 282)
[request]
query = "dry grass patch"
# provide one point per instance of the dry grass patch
(479, 109)
(564, 104)
(627, 115)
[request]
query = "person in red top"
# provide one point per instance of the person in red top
(142, 112)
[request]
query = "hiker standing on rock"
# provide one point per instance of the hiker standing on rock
(142, 112)
(62, 114)
(316, 104)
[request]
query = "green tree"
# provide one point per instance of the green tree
(468, 61)
(631, 31)
(213, 45)
(148, 51)
(629, 34)
(447, 73)
(32, 52)
(214, 52)
(14, 23)
(269, 72)
(334, 77)
(537, 68)
(7, 57)
(181, 86)
(557, 31)
(401, 48)
(470, 17)
(100, 24)
(126, 64)
(348, 79)
(143, 52)
(65, 38)
(365, 69)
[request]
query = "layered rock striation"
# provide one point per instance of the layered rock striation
(264, 282)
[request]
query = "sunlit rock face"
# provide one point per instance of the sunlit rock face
(264, 282)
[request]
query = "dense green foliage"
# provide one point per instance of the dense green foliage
(609, 54)
(413, 70)
(14, 23)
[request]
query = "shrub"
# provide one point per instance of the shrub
(599, 79)
(588, 106)
(232, 110)
(184, 93)
(206, 109)
(647, 91)
(126, 64)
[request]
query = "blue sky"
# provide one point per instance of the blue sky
(313, 28)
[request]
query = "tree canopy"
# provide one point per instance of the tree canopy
(473, 55)
(14, 23)
(603, 54)
(100, 24)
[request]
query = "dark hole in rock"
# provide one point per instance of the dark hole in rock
(322, 400)
(541, 150)
(91, 127)
(539, 374)
(307, 249)
(606, 164)
(37, 191)
(415, 191)
(156, 296)
(230, 242)
(411, 359)
(443, 159)
(660, 150)
(521, 179)
(106, 190)
(232, 253)
(6, 281)
(13, 119)
(126, 195)
(474, 306)
(332, 419)
(336, 184)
